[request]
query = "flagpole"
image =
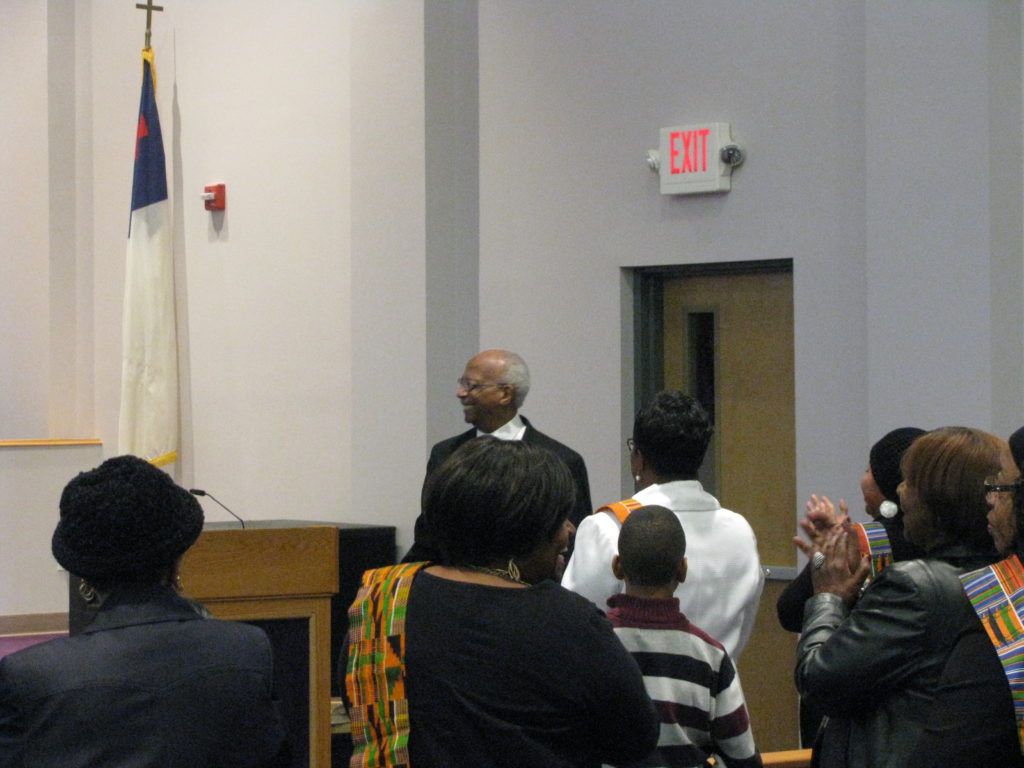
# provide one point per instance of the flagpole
(148, 7)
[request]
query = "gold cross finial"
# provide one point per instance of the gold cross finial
(148, 7)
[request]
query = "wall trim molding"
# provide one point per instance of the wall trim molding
(33, 623)
(49, 443)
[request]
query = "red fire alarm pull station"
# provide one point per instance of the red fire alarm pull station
(215, 197)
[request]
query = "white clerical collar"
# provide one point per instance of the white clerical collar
(510, 430)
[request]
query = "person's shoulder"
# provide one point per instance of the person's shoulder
(921, 570)
(731, 514)
(535, 436)
(683, 638)
(709, 641)
(234, 629)
(569, 603)
(238, 636)
(451, 443)
(928, 575)
(54, 665)
(442, 450)
(40, 657)
(729, 526)
(551, 591)
(596, 524)
(734, 520)
(931, 584)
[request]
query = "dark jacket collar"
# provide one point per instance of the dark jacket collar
(149, 604)
(963, 555)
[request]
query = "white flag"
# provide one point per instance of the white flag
(149, 377)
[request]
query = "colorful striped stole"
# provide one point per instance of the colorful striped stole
(620, 509)
(874, 542)
(997, 594)
(375, 674)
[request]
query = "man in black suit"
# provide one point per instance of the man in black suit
(492, 390)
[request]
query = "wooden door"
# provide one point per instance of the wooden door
(727, 339)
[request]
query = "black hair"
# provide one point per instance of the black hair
(1018, 516)
(673, 433)
(493, 500)
(1016, 442)
(884, 461)
(651, 546)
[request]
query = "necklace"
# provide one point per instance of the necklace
(509, 574)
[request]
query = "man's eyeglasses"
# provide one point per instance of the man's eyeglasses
(475, 386)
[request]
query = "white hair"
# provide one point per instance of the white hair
(517, 375)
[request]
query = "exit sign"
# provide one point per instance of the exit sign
(691, 159)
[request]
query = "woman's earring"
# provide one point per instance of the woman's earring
(87, 591)
(888, 509)
(636, 478)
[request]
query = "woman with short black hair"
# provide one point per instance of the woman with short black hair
(499, 507)
(489, 661)
(670, 438)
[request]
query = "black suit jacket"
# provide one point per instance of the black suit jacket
(148, 682)
(423, 548)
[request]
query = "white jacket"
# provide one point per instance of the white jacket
(724, 581)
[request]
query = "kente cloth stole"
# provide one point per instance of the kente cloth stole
(874, 542)
(997, 594)
(375, 674)
(621, 509)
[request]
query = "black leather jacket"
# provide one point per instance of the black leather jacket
(874, 670)
(790, 605)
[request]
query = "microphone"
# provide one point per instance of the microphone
(201, 492)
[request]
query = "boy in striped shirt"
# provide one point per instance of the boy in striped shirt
(687, 672)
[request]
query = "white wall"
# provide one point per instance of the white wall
(274, 308)
(930, 326)
(869, 129)
(24, 222)
(567, 194)
(387, 423)
(263, 288)
(452, 193)
(326, 314)
(32, 481)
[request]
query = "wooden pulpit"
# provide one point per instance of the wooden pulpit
(281, 577)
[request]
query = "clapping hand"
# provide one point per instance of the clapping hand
(837, 566)
(834, 550)
(822, 518)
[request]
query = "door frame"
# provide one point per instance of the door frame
(648, 328)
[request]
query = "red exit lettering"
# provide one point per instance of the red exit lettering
(688, 151)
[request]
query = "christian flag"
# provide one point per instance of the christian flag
(149, 376)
